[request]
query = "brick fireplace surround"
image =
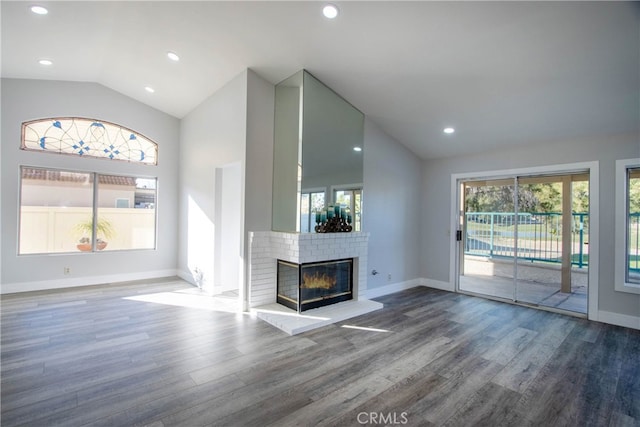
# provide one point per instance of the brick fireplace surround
(266, 247)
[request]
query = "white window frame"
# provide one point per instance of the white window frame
(620, 254)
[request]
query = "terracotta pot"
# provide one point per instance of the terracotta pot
(86, 247)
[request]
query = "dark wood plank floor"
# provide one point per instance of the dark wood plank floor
(93, 356)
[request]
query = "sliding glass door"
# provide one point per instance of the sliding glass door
(525, 239)
(487, 263)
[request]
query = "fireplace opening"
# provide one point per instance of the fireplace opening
(305, 286)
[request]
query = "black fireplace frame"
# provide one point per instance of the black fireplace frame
(315, 303)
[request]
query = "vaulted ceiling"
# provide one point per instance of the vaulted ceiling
(500, 73)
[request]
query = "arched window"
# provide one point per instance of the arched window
(88, 138)
(66, 211)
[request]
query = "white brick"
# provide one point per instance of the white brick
(267, 246)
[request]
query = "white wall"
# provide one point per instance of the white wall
(213, 135)
(226, 181)
(436, 181)
(24, 100)
(391, 208)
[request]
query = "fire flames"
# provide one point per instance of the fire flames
(317, 281)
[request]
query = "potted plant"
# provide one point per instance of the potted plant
(104, 230)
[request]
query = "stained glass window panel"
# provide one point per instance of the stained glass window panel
(88, 138)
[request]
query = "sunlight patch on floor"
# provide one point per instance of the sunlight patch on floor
(190, 298)
(364, 328)
(294, 323)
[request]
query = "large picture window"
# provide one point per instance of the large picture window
(627, 254)
(66, 211)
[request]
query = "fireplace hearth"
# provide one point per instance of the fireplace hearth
(305, 286)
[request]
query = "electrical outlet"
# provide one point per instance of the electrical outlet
(67, 270)
(389, 276)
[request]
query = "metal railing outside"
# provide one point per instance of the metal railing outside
(492, 234)
(633, 242)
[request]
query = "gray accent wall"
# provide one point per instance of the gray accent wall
(24, 100)
(391, 208)
(436, 202)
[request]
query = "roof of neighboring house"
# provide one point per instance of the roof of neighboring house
(65, 176)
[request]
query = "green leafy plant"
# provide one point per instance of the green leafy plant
(104, 230)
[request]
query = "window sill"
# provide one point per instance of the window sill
(631, 288)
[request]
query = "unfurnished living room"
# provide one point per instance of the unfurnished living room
(307, 213)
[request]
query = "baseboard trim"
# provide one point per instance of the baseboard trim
(43, 285)
(438, 284)
(392, 288)
(619, 319)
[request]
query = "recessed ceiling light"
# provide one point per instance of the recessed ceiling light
(330, 11)
(357, 148)
(149, 89)
(173, 56)
(39, 10)
(449, 130)
(46, 62)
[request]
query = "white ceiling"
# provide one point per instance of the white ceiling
(501, 73)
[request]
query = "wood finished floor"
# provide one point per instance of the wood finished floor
(95, 356)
